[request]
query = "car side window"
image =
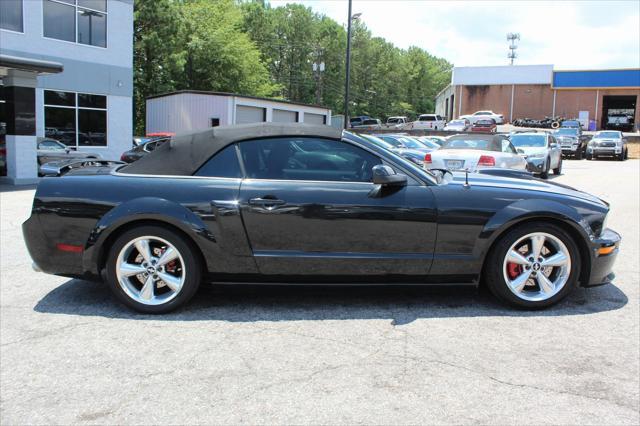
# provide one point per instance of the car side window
(297, 158)
(224, 164)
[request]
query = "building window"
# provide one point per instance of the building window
(75, 119)
(11, 15)
(77, 21)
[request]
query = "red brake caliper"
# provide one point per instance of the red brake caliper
(513, 270)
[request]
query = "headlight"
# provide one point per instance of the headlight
(604, 223)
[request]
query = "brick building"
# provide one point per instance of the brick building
(536, 91)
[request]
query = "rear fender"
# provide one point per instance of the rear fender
(140, 209)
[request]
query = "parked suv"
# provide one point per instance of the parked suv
(571, 141)
(541, 151)
(608, 143)
(429, 121)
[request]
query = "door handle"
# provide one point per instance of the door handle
(266, 201)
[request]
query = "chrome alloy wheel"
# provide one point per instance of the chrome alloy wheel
(537, 266)
(150, 270)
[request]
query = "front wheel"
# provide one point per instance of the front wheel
(558, 170)
(153, 270)
(545, 171)
(579, 154)
(533, 266)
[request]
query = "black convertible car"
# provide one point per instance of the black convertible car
(275, 203)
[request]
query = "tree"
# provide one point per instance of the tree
(158, 58)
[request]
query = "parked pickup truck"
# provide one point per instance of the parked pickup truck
(397, 123)
(429, 121)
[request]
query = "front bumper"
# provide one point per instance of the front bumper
(535, 165)
(602, 265)
(608, 151)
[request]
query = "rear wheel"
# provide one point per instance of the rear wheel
(533, 266)
(153, 270)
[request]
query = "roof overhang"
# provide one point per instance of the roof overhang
(38, 66)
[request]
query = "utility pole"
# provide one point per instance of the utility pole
(318, 69)
(348, 66)
(512, 37)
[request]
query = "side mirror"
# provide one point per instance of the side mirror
(520, 151)
(386, 176)
(553, 145)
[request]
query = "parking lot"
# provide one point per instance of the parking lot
(413, 355)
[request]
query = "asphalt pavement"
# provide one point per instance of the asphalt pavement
(69, 353)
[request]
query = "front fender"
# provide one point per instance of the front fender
(144, 208)
(525, 210)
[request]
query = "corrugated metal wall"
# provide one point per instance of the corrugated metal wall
(185, 112)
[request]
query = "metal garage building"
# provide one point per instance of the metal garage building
(536, 91)
(188, 110)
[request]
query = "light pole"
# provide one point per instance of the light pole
(348, 66)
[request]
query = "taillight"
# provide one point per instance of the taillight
(427, 158)
(486, 160)
(123, 157)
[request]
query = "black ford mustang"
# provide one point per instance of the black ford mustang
(269, 203)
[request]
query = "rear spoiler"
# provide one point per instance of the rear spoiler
(59, 168)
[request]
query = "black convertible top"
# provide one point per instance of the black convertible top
(185, 154)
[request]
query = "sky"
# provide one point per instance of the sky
(566, 34)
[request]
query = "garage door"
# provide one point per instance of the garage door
(282, 116)
(249, 114)
(314, 118)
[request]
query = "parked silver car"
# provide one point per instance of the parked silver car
(52, 150)
(608, 143)
(541, 150)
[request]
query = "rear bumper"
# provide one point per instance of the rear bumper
(44, 253)
(602, 265)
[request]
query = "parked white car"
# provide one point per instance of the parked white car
(429, 121)
(483, 115)
(474, 152)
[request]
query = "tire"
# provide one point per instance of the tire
(620, 157)
(626, 154)
(558, 170)
(589, 157)
(159, 297)
(563, 279)
(545, 173)
(579, 154)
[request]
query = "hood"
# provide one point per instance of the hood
(525, 183)
(531, 150)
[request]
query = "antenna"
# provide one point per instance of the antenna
(512, 37)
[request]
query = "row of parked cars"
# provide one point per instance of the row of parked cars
(480, 121)
(537, 152)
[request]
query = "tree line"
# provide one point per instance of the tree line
(251, 48)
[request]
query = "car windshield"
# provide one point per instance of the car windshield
(567, 132)
(427, 118)
(377, 141)
(429, 143)
(526, 141)
(614, 135)
(394, 120)
(369, 122)
(570, 123)
(411, 143)
(479, 144)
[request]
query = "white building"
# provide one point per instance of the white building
(66, 68)
(189, 110)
